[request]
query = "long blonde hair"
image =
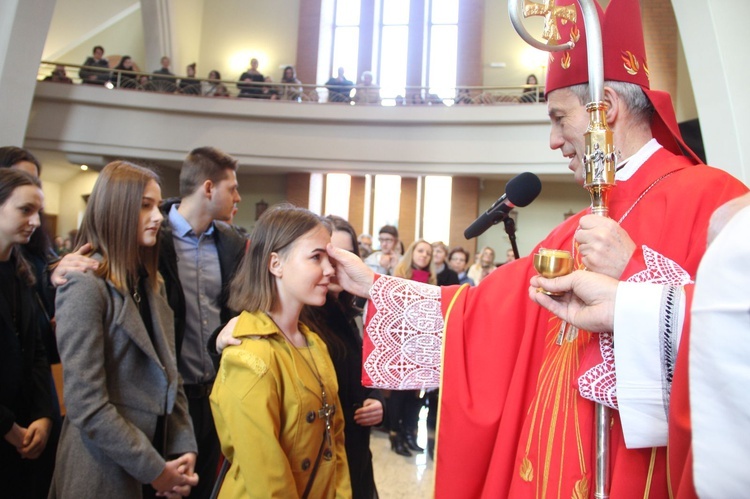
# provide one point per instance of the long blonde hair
(405, 267)
(110, 225)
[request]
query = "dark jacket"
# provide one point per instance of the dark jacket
(101, 75)
(25, 390)
(230, 245)
(344, 342)
(249, 89)
(447, 277)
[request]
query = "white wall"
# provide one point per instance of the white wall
(236, 31)
(124, 37)
(72, 205)
(714, 37)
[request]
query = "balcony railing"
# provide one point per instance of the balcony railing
(359, 95)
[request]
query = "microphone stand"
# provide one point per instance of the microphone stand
(510, 229)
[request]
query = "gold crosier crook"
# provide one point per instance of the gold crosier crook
(599, 157)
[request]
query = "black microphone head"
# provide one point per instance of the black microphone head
(522, 189)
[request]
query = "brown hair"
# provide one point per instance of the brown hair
(10, 155)
(459, 249)
(330, 320)
(405, 267)
(204, 163)
(10, 180)
(389, 229)
(253, 287)
(110, 225)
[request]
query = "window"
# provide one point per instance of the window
(442, 47)
(394, 48)
(387, 201)
(346, 37)
(338, 187)
(436, 219)
(399, 28)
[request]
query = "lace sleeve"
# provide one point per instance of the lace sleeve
(405, 334)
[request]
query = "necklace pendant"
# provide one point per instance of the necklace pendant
(326, 412)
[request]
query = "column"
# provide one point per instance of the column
(470, 32)
(23, 30)
(308, 38)
(464, 210)
(407, 211)
(357, 203)
(298, 189)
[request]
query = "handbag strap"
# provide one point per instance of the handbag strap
(220, 479)
(225, 468)
(314, 471)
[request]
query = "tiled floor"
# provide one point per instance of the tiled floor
(402, 477)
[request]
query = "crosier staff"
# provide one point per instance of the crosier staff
(599, 157)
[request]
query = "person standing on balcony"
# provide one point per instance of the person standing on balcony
(292, 88)
(368, 92)
(249, 78)
(166, 82)
(339, 88)
(96, 70)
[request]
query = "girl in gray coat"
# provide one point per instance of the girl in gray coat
(127, 432)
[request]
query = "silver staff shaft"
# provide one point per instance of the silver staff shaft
(599, 158)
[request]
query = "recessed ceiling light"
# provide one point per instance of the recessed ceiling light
(84, 168)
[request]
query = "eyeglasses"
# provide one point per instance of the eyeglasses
(386, 240)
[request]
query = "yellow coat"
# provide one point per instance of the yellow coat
(265, 402)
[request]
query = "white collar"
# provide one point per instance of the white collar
(629, 166)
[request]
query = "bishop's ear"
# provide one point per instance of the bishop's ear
(613, 101)
(275, 264)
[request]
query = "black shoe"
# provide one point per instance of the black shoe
(411, 442)
(399, 446)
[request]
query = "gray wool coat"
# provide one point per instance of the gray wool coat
(116, 384)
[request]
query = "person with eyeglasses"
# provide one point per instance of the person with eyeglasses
(385, 260)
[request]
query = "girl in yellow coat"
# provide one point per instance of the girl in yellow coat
(275, 399)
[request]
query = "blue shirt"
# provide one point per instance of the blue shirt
(200, 276)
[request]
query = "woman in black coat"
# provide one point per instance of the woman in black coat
(363, 407)
(25, 390)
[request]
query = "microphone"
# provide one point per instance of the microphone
(520, 191)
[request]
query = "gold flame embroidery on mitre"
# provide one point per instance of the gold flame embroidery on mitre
(565, 60)
(575, 34)
(630, 62)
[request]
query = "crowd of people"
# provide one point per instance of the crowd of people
(133, 307)
(182, 340)
(253, 84)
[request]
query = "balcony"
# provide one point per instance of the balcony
(492, 139)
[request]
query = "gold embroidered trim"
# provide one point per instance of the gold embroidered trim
(442, 353)
(581, 489)
(650, 477)
(527, 470)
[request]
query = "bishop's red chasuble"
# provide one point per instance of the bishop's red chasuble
(513, 419)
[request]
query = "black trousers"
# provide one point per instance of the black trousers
(403, 411)
(209, 449)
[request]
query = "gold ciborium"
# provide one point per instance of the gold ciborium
(552, 263)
